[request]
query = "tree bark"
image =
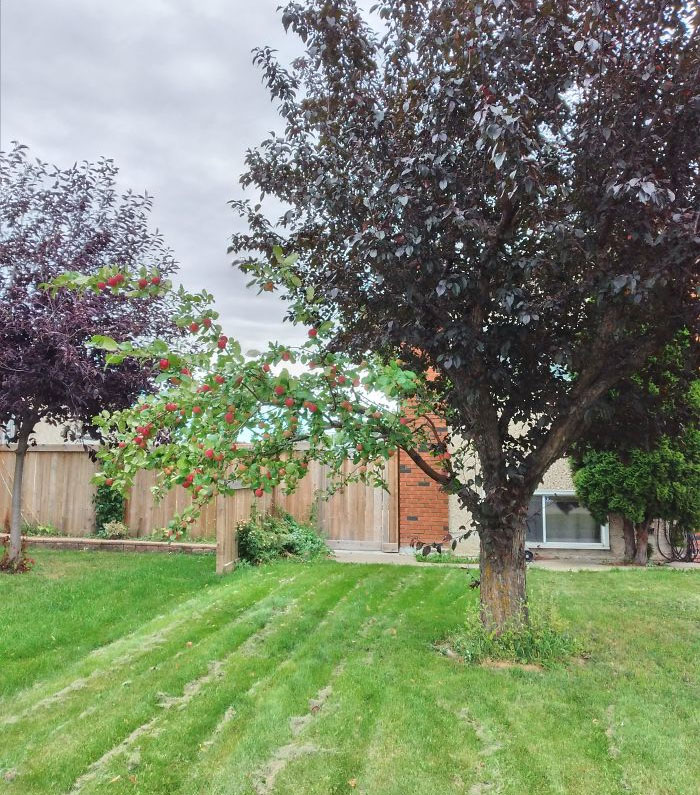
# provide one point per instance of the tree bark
(16, 510)
(502, 565)
(630, 543)
(641, 557)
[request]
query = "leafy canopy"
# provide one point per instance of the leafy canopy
(52, 220)
(501, 193)
(221, 419)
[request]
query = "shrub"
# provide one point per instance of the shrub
(545, 641)
(109, 507)
(113, 530)
(33, 529)
(266, 538)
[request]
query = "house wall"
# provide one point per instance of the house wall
(427, 513)
(423, 507)
(557, 478)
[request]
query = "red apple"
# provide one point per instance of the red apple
(222, 342)
(289, 402)
(206, 322)
(164, 364)
(196, 409)
(194, 327)
(155, 280)
(229, 417)
(219, 379)
(101, 285)
(266, 368)
(259, 492)
(279, 390)
(109, 481)
(313, 332)
(143, 283)
(209, 453)
(286, 356)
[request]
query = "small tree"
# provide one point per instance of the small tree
(662, 483)
(52, 220)
(503, 193)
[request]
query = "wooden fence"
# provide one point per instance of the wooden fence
(58, 491)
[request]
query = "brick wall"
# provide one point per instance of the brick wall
(423, 506)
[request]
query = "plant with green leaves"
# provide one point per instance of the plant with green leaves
(639, 457)
(661, 483)
(221, 419)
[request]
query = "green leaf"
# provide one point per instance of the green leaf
(104, 343)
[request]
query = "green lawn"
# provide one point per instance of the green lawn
(146, 674)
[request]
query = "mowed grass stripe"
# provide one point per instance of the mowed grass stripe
(288, 696)
(310, 599)
(66, 745)
(100, 682)
(370, 693)
(166, 760)
(74, 602)
(241, 592)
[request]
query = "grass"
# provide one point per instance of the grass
(444, 557)
(323, 678)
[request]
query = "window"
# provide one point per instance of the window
(557, 519)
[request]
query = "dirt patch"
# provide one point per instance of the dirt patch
(508, 664)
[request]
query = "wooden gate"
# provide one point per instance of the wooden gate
(358, 517)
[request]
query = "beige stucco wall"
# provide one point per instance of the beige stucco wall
(557, 478)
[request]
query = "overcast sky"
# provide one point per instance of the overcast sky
(167, 89)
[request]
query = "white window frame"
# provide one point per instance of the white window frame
(544, 544)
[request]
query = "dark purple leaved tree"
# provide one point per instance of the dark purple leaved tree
(51, 221)
(504, 193)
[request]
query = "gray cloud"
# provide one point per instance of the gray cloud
(167, 89)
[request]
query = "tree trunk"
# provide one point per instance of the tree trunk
(502, 564)
(642, 557)
(630, 543)
(16, 511)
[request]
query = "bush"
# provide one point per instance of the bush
(31, 529)
(545, 641)
(109, 507)
(266, 538)
(113, 530)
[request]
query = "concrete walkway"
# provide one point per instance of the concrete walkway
(403, 559)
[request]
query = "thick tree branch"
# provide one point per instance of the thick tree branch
(439, 477)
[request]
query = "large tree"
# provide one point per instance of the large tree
(503, 193)
(52, 220)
